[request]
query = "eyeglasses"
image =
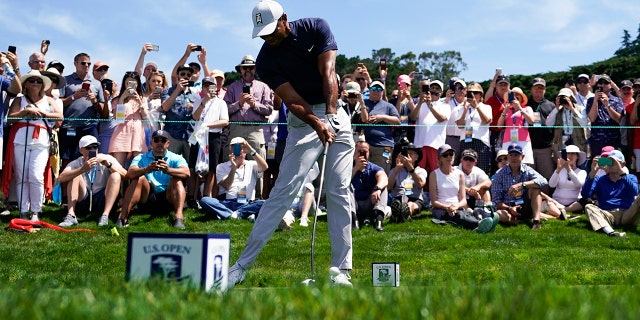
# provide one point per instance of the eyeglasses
(38, 61)
(103, 69)
(35, 80)
(583, 82)
(477, 92)
(359, 79)
(459, 88)
(184, 74)
(469, 159)
(91, 147)
(376, 89)
(435, 93)
(132, 74)
(602, 83)
(502, 159)
(248, 67)
(447, 154)
(539, 87)
(159, 139)
(84, 63)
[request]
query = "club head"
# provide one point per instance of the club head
(309, 282)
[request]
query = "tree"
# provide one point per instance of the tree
(441, 65)
(626, 45)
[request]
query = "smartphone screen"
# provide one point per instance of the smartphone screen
(512, 96)
(86, 85)
(246, 89)
(425, 88)
(92, 154)
(237, 148)
(383, 64)
(363, 153)
(158, 89)
(131, 84)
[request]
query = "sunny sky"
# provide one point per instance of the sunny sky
(522, 37)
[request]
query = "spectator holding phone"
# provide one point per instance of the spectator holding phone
(406, 181)
(83, 100)
(581, 91)
(177, 104)
(380, 138)
(129, 108)
(474, 118)
(605, 112)
(94, 183)
(369, 182)
(156, 181)
(404, 104)
(515, 118)
(567, 180)
(354, 106)
(568, 121)
(150, 67)
(431, 117)
(456, 97)
(237, 183)
(616, 192)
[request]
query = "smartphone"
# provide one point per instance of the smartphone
(158, 158)
(563, 154)
(107, 84)
(498, 71)
(605, 161)
(361, 65)
(246, 89)
(383, 64)
(598, 89)
(363, 153)
(403, 86)
(418, 75)
(12, 49)
(237, 148)
(86, 86)
(425, 88)
(191, 83)
(47, 42)
(198, 48)
(155, 48)
(469, 95)
(570, 82)
(212, 91)
(92, 153)
(131, 84)
(404, 150)
(512, 96)
(158, 89)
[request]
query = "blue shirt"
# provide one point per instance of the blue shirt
(81, 108)
(605, 135)
(159, 179)
(363, 182)
(504, 179)
(611, 195)
(4, 85)
(179, 117)
(295, 60)
(380, 136)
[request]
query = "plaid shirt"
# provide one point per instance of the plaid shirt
(504, 179)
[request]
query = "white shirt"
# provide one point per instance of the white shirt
(245, 177)
(448, 185)
(430, 132)
(568, 185)
(473, 120)
(456, 112)
(476, 176)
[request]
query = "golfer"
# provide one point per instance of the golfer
(297, 60)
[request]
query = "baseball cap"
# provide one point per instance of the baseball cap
(539, 81)
(605, 78)
(209, 80)
(55, 63)
(583, 75)
(185, 67)
(153, 64)
(87, 141)
(160, 133)
(636, 82)
(605, 150)
(444, 148)
(99, 64)
(626, 84)
(217, 73)
(237, 140)
(617, 154)
(514, 147)
(565, 92)
(503, 78)
(195, 66)
(265, 17)
(438, 83)
(461, 82)
(352, 87)
(470, 153)
(404, 78)
(501, 153)
(377, 83)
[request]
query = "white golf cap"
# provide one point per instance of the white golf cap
(237, 140)
(265, 17)
(87, 141)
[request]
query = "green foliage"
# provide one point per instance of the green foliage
(564, 271)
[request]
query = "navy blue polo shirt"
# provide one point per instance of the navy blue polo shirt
(363, 182)
(295, 60)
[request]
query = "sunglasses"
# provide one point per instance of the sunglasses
(91, 147)
(376, 89)
(359, 79)
(477, 92)
(248, 67)
(435, 93)
(583, 82)
(132, 74)
(38, 61)
(103, 69)
(184, 74)
(35, 80)
(158, 139)
(502, 159)
(459, 88)
(469, 159)
(85, 63)
(447, 154)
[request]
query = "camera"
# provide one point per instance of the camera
(564, 101)
(351, 95)
(469, 95)
(404, 150)
(191, 83)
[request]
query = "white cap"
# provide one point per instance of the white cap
(87, 141)
(237, 140)
(265, 17)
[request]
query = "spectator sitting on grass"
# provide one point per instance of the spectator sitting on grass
(567, 180)
(615, 193)
(406, 181)
(369, 182)
(447, 190)
(476, 181)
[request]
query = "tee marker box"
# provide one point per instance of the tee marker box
(385, 274)
(201, 259)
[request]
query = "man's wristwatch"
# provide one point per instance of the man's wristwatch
(376, 188)
(253, 152)
(109, 165)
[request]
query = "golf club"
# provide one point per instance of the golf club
(312, 280)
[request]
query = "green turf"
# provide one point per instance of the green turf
(564, 271)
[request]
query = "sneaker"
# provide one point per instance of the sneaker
(121, 223)
(378, 224)
(193, 204)
(5, 212)
(496, 220)
(236, 275)
(35, 217)
(178, 224)
(563, 214)
(104, 221)
(485, 225)
(617, 234)
(252, 218)
(24, 215)
(304, 221)
(234, 215)
(69, 221)
(536, 225)
(339, 277)
(283, 226)
(400, 211)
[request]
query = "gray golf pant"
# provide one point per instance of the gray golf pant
(302, 150)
